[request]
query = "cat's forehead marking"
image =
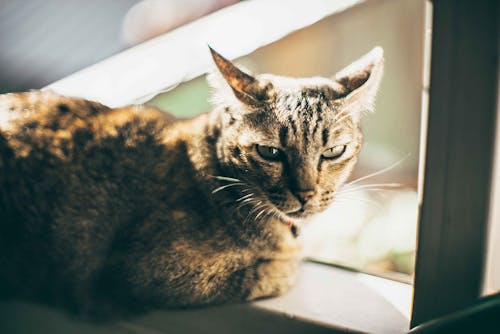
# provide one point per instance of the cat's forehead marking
(301, 114)
(308, 118)
(283, 135)
(325, 136)
(292, 124)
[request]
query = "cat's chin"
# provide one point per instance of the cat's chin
(297, 218)
(300, 214)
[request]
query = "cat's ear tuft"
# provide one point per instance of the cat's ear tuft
(360, 80)
(246, 88)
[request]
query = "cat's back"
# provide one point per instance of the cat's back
(50, 111)
(33, 119)
(37, 130)
(47, 139)
(60, 152)
(44, 120)
(43, 106)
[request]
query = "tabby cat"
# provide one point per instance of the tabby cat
(130, 206)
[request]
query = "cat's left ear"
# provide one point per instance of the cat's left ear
(246, 88)
(359, 82)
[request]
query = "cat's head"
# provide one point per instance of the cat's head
(292, 141)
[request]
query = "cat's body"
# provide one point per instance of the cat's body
(94, 192)
(131, 207)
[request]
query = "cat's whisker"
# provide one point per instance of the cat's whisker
(227, 186)
(381, 186)
(386, 169)
(248, 201)
(258, 209)
(253, 205)
(268, 211)
(347, 199)
(270, 214)
(369, 189)
(226, 178)
(260, 213)
(242, 198)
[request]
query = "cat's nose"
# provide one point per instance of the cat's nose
(304, 195)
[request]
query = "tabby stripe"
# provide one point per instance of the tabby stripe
(325, 136)
(283, 136)
(63, 108)
(306, 103)
(319, 118)
(237, 152)
(305, 132)
(292, 124)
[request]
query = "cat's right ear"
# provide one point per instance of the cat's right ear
(358, 83)
(245, 87)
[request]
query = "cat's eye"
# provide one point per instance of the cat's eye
(269, 152)
(334, 152)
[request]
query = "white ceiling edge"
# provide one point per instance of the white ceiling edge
(139, 73)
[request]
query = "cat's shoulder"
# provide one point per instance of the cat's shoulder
(45, 106)
(42, 100)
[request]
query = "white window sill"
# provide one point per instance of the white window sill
(325, 299)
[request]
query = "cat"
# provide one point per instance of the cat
(130, 206)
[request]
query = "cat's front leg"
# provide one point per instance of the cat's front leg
(275, 270)
(269, 278)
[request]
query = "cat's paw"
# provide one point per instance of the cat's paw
(272, 278)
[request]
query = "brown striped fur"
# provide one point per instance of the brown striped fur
(130, 207)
